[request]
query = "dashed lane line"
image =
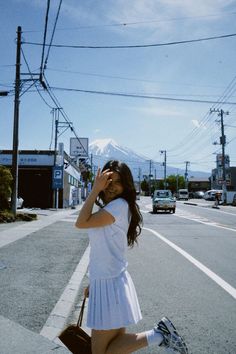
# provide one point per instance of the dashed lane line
(218, 280)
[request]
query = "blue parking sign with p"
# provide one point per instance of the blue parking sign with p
(57, 177)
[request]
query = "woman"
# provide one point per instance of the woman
(113, 303)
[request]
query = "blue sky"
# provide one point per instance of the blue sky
(192, 71)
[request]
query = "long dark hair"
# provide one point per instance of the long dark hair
(129, 194)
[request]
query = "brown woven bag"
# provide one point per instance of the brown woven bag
(75, 338)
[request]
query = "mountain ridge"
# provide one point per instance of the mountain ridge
(108, 149)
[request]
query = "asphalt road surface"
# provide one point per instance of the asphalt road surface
(184, 267)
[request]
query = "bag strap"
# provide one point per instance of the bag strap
(80, 319)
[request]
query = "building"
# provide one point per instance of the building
(40, 184)
(216, 183)
(198, 184)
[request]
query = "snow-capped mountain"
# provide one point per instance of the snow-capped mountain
(103, 150)
(109, 149)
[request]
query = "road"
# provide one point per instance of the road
(183, 268)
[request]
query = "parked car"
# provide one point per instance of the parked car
(198, 194)
(19, 202)
(163, 200)
(211, 194)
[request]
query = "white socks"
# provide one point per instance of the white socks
(154, 337)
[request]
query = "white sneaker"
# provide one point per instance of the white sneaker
(172, 342)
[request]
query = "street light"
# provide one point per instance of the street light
(164, 152)
(4, 93)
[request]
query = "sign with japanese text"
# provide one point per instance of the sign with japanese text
(79, 147)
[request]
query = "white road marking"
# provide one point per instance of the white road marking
(206, 222)
(213, 209)
(223, 284)
(192, 217)
(57, 318)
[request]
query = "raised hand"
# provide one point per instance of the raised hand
(102, 180)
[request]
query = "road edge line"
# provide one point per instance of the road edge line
(218, 280)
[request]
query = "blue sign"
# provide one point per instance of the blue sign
(57, 177)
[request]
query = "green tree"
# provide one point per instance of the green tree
(144, 186)
(5, 187)
(172, 182)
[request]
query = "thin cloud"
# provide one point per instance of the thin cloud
(197, 124)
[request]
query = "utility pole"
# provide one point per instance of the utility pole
(55, 191)
(155, 178)
(16, 125)
(187, 163)
(56, 112)
(164, 152)
(150, 174)
(177, 181)
(92, 177)
(222, 142)
(139, 180)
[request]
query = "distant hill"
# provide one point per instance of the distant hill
(108, 149)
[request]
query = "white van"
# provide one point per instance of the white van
(182, 194)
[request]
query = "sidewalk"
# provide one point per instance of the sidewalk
(15, 338)
(207, 204)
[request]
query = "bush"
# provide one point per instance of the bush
(7, 216)
(5, 187)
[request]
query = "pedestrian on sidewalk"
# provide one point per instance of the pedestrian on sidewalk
(217, 200)
(113, 303)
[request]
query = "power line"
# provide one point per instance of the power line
(53, 32)
(56, 102)
(107, 93)
(133, 46)
(226, 94)
(34, 80)
(44, 37)
(128, 78)
(129, 23)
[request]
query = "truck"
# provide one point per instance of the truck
(163, 200)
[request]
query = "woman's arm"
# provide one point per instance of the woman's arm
(101, 218)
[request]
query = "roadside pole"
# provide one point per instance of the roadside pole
(222, 142)
(16, 125)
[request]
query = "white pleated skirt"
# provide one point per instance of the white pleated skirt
(113, 303)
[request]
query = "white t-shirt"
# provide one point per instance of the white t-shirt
(108, 252)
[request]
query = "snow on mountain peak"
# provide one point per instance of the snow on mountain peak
(101, 144)
(109, 148)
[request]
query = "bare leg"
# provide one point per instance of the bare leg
(101, 339)
(127, 343)
(117, 341)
